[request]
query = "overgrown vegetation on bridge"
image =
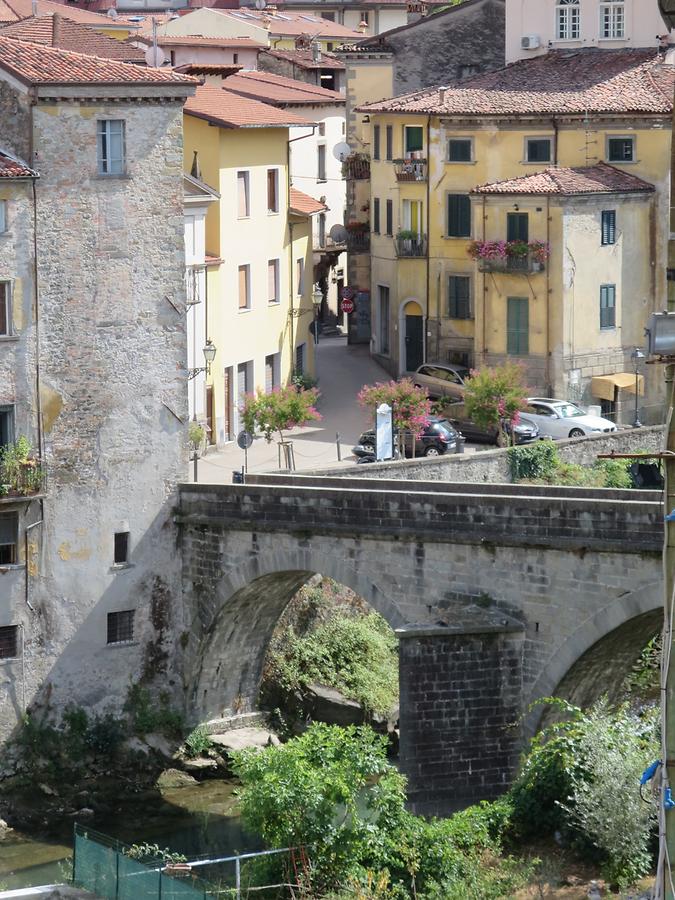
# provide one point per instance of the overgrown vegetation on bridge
(540, 463)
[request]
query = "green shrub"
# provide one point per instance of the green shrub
(616, 474)
(198, 741)
(150, 714)
(537, 460)
(153, 853)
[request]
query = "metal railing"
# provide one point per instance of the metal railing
(512, 264)
(411, 246)
(410, 169)
(358, 241)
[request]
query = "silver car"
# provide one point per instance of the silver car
(561, 419)
(441, 380)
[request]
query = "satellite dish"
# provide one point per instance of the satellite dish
(341, 151)
(155, 56)
(112, 13)
(260, 4)
(244, 440)
(338, 233)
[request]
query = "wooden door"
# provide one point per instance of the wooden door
(210, 422)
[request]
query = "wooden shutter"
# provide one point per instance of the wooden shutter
(517, 227)
(376, 141)
(390, 141)
(243, 287)
(376, 215)
(272, 199)
(269, 374)
(607, 306)
(321, 162)
(459, 300)
(390, 217)
(609, 226)
(242, 194)
(272, 280)
(517, 326)
(459, 215)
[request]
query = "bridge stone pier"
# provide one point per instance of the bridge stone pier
(500, 594)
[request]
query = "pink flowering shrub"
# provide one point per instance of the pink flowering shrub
(282, 409)
(411, 404)
(501, 251)
(495, 396)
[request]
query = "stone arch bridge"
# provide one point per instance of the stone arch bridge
(501, 594)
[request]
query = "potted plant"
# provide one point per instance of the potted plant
(405, 238)
(540, 252)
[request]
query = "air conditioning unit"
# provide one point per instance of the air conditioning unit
(530, 42)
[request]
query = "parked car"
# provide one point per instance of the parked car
(441, 380)
(438, 437)
(524, 432)
(561, 419)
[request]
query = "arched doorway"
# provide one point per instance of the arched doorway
(411, 329)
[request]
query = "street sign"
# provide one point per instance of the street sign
(347, 305)
(348, 293)
(244, 440)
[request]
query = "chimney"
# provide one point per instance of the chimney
(316, 51)
(195, 171)
(34, 8)
(56, 30)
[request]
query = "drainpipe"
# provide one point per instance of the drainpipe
(25, 553)
(549, 386)
(290, 301)
(424, 358)
(554, 125)
(484, 348)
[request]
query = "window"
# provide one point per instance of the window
(567, 20)
(412, 216)
(390, 142)
(459, 215)
(244, 287)
(460, 150)
(5, 309)
(413, 139)
(3, 216)
(376, 215)
(517, 326)
(517, 227)
(9, 536)
(272, 366)
(9, 641)
(612, 19)
(243, 195)
(321, 162)
(121, 627)
(365, 17)
(111, 147)
(459, 297)
(6, 425)
(383, 321)
(322, 229)
(538, 150)
(389, 217)
(235, 58)
(467, 71)
(621, 149)
(273, 190)
(329, 16)
(273, 281)
(607, 306)
(376, 141)
(300, 351)
(300, 277)
(121, 552)
(322, 129)
(608, 227)
(244, 384)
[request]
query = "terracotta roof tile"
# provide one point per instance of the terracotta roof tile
(15, 10)
(233, 111)
(304, 59)
(56, 30)
(291, 24)
(597, 179)
(277, 89)
(560, 82)
(197, 40)
(303, 205)
(11, 167)
(36, 64)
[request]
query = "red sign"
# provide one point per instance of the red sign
(347, 305)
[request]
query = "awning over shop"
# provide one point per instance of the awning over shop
(604, 386)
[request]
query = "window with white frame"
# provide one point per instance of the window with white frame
(613, 19)
(300, 277)
(244, 287)
(567, 20)
(273, 190)
(272, 280)
(243, 195)
(621, 149)
(5, 309)
(111, 159)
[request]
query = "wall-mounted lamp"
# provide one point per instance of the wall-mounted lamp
(209, 352)
(661, 334)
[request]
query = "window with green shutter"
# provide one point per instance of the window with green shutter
(389, 217)
(459, 215)
(376, 215)
(517, 326)
(376, 141)
(517, 227)
(413, 139)
(607, 306)
(460, 150)
(389, 141)
(459, 297)
(608, 226)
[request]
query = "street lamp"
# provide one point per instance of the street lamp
(209, 352)
(636, 356)
(317, 300)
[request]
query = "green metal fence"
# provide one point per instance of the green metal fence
(100, 865)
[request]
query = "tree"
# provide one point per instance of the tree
(411, 405)
(280, 410)
(495, 396)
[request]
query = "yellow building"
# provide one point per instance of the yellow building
(259, 250)
(430, 154)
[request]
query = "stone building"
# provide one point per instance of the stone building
(92, 374)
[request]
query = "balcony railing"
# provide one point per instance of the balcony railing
(356, 167)
(410, 169)
(328, 244)
(21, 474)
(358, 242)
(411, 246)
(512, 265)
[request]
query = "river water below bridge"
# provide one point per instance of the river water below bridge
(194, 820)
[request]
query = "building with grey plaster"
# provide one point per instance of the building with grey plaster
(92, 372)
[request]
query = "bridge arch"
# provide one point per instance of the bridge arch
(582, 669)
(234, 625)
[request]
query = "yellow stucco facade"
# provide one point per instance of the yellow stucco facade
(259, 303)
(567, 347)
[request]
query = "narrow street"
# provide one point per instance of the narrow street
(342, 370)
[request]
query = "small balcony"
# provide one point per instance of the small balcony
(356, 167)
(21, 472)
(516, 265)
(510, 257)
(410, 169)
(410, 245)
(358, 242)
